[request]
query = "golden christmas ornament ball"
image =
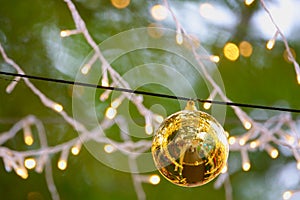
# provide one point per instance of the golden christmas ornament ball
(190, 147)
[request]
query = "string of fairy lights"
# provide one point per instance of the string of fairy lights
(159, 12)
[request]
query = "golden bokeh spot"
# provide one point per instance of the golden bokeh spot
(159, 12)
(120, 4)
(155, 30)
(286, 55)
(231, 51)
(245, 49)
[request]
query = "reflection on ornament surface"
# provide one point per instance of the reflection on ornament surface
(190, 147)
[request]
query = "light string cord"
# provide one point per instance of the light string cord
(53, 80)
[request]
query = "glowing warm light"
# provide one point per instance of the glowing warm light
(247, 125)
(120, 4)
(110, 113)
(76, 149)
(231, 51)
(159, 118)
(104, 82)
(206, 105)
(85, 69)
(22, 173)
(154, 179)
(159, 12)
(245, 49)
(227, 134)
(298, 165)
(298, 79)
(64, 33)
(248, 2)
(287, 195)
(214, 58)
(108, 148)
(270, 44)
(28, 139)
(57, 107)
(104, 96)
(148, 129)
(115, 104)
(242, 141)
(274, 153)
(179, 38)
(224, 170)
(207, 10)
(30, 163)
(246, 166)
(231, 140)
(253, 144)
(287, 57)
(290, 139)
(62, 164)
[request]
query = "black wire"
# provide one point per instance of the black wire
(150, 93)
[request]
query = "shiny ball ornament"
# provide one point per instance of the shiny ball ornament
(190, 147)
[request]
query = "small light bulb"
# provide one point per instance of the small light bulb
(57, 107)
(104, 82)
(75, 150)
(247, 125)
(290, 139)
(62, 164)
(298, 165)
(287, 195)
(253, 144)
(30, 163)
(64, 33)
(298, 79)
(104, 96)
(154, 179)
(227, 134)
(85, 69)
(28, 140)
(214, 58)
(179, 38)
(159, 118)
(249, 2)
(108, 148)
(274, 153)
(246, 166)
(270, 44)
(22, 173)
(110, 113)
(231, 140)
(148, 129)
(242, 141)
(206, 105)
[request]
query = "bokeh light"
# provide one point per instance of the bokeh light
(120, 4)
(30, 163)
(231, 51)
(154, 179)
(159, 12)
(246, 49)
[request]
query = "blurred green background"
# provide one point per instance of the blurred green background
(29, 32)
